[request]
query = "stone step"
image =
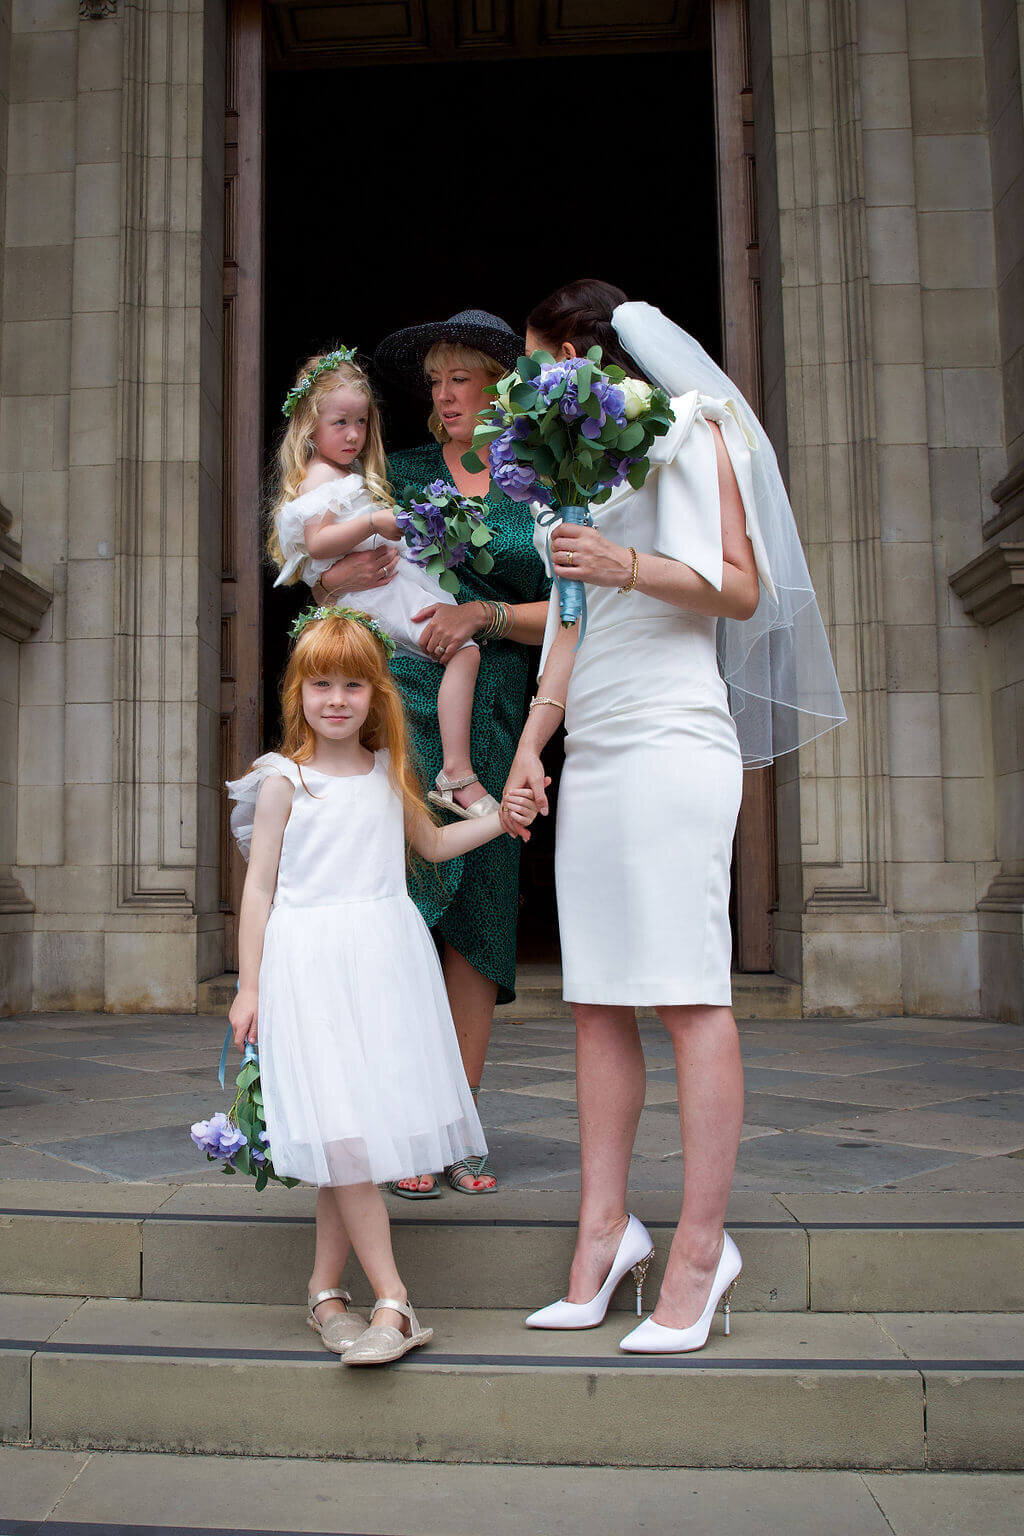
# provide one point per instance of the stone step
(224, 1243)
(539, 996)
(783, 1391)
(81, 1494)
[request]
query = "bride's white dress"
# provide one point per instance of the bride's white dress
(652, 781)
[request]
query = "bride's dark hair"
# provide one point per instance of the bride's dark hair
(581, 312)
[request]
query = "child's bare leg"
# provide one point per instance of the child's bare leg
(332, 1251)
(364, 1217)
(454, 712)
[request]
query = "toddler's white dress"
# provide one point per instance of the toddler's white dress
(359, 1063)
(394, 605)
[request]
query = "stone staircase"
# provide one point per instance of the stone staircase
(869, 1331)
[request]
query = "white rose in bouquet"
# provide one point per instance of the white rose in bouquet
(638, 397)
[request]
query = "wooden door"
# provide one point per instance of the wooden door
(241, 722)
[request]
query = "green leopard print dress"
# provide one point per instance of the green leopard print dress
(473, 902)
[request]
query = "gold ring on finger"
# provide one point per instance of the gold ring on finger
(570, 558)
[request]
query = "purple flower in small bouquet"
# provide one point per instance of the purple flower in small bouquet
(442, 529)
(568, 433)
(238, 1140)
(217, 1137)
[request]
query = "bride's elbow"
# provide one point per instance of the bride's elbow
(745, 596)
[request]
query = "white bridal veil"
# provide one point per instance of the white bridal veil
(777, 664)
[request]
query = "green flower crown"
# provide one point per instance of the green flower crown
(325, 365)
(311, 615)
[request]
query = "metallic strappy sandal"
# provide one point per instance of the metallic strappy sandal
(338, 1333)
(447, 801)
(382, 1343)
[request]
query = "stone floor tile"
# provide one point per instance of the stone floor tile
(528, 1159)
(109, 1198)
(158, 1154)
(882, 1090)
(34, 1482)
(1004, 1107)
(895, 1205)
(852, 1062)
(18, 1162)
(45, 1125)
(497, 1076)
(505, 1108)
(949, 1503)
(930, 1128)
(785, 1114)
(993, 1175)
(797, 1160)
(994, 1060)
(13, 1096)
(18, 1054)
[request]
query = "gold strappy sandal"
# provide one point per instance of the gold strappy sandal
(381, 1343)
(447, 801)
(340, 1332)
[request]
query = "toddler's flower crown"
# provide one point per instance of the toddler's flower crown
(325, 365)
(311, 615)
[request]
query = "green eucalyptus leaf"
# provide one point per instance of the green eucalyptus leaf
(472, 462)
(435, 566)
(261, 1180)
(524, 396)
(480, 536)
(448, 581)
(483, 562)
(528, 368)
(595, 355)
(583, 381)
(592, 406)
(638, 474)
(631, 438)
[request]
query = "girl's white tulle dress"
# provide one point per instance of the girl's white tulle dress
(410, 592)
(651, 786)
(360, 1067)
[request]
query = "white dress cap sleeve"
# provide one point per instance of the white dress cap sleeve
(689, 516)
(341, 499)
(245, 792)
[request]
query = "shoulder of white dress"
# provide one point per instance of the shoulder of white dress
(685, 408)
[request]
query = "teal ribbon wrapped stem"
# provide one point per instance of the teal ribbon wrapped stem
(249, 1054)
(572, 594)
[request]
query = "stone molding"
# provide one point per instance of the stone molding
(96, 10)
(22, 604)
(157, 425)
(992, 586)
(831, 411)
(1009, 498)
(1006, 893)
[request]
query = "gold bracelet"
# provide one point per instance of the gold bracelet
(631, 583)
(538, 700)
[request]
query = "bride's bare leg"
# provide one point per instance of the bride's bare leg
(710, 1078)
(610, 1084)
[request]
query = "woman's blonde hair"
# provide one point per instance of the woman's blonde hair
(337, 644)
(297, 447)
(448, 354)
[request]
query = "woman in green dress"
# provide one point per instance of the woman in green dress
(473, 904)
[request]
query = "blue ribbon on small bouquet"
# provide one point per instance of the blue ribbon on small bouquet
(249, 1054)
(572, 593)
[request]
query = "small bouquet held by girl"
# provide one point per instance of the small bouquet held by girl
(362, 1080)
(563, 435)
(334, 498)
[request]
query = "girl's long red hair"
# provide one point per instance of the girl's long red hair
(343, 645)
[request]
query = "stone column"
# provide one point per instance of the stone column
(110, 427)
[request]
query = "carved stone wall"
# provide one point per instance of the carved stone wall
(886, 355)
(110, 441)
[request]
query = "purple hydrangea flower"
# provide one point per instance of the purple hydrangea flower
(517, 481)
(217, 1136)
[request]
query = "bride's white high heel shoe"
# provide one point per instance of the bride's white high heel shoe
(635, 1253)
(652, 1338)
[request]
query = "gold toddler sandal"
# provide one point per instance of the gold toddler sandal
(447, 801)
(382, 1343)
(341, 1331)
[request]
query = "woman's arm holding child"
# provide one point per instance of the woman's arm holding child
(273, 808)
(439, 844)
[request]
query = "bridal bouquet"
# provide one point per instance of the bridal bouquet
(442, 529)
(239, 1138)
(565, 434)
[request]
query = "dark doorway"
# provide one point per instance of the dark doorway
(480, 185)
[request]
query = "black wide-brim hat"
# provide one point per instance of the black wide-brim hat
(402, 354)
